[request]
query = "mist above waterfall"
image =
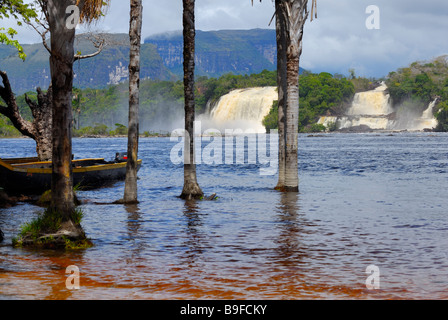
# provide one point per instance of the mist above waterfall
(166, 117)
(414, 115)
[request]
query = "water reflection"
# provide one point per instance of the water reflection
(194, 236)
(289, 227)
(44, 273)
(134, 222)
(290, 251)
(59, 290)
(136, 238)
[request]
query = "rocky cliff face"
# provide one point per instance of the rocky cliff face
(220, 52)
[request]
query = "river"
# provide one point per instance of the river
(365, 200)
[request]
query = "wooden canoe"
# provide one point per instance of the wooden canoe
(30, 176)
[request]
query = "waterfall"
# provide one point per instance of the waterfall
(374, 102)
(428, 113)
(373, 109)
(243, 109)
(370, 108)
(427, 120)
(415, 120)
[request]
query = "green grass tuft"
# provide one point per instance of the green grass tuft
(49, 222)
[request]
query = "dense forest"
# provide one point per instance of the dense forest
(104, 111)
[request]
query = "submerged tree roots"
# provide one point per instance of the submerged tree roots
(49, 231)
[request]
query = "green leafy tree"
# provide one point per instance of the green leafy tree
(442, 117)
(20, 12)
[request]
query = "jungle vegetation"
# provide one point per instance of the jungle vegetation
(100, 111)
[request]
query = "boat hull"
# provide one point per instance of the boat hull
(26, 176)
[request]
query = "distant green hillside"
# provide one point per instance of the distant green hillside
(239, 52)
(109, 67)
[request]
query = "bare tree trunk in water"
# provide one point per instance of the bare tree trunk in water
(135, 28)
(191, 187)
(42, 123)
(61, 66)
(282, 87)
(40, 129)
(295, 13)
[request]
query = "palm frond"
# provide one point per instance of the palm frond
(92, 10)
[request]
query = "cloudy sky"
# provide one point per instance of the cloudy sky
(339, 40)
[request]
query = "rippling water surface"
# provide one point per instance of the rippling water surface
(365, 199)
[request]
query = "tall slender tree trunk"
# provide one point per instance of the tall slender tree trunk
(295, 13)
(191, 187)
(135, 29)
(292, 118)
(61, 66)
(282, 87)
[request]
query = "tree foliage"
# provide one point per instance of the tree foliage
(320, 94)
(19, 11)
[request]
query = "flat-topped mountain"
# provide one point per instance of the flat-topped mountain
(217, 53)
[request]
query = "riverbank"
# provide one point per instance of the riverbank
(361, 130)
(98, 136)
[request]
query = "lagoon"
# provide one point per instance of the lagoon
(374, 199)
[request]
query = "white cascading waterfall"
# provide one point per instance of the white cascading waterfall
(427, 120)
(370, 108)
(243, 109)
(374, 109)
(375, 103)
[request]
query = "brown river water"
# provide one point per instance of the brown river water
(365, 200)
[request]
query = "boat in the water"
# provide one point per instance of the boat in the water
(30, 176)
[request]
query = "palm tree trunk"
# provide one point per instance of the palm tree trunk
(135, 28)
(292, 118)
(191, 187)
(282, 87)
(61, 66)
(295, 13)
